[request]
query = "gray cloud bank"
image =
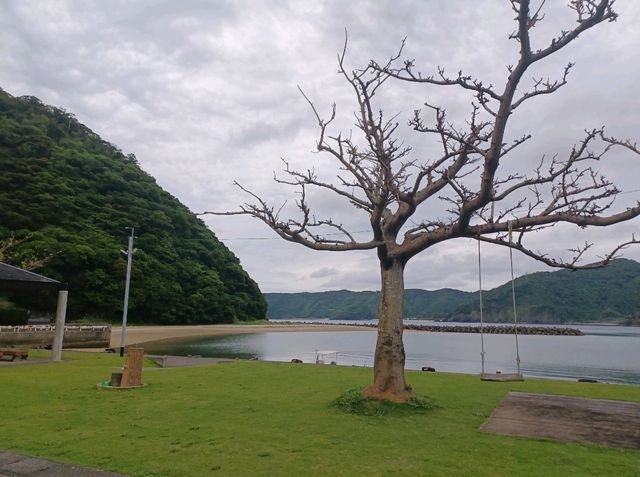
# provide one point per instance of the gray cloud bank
(204, 93)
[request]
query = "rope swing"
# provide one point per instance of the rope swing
(498, 376)
(513, 300)
(482, 353)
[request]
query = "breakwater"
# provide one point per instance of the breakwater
(499, 329)
(473, 328)
(41, 336)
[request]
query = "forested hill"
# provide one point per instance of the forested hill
(350, 305)
(611, 293)
(66, 193)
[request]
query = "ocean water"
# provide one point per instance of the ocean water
(605, 353)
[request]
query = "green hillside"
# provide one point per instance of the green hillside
(349, 305)
(436, 303)
(338, 305)
(69, 194)
(611, 293)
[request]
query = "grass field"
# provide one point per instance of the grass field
(274, 419)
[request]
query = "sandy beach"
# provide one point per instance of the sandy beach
(144, 334)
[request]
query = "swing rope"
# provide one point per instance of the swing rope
(513, 298)
(482, 353)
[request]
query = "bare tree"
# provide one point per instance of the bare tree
(379, 178)
(9, 255)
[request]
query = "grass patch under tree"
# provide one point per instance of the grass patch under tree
(276, 419)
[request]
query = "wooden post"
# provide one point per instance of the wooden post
(132, 371)
(61, 313)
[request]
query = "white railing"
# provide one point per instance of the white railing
(45, 328)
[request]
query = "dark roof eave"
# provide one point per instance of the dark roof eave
(25, 285)
(17, 278)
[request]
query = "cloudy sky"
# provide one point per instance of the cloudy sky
(205, 93)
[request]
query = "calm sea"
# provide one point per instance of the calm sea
(605, 353)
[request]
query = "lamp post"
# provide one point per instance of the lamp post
(129, 253)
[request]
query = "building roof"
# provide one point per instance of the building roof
(14, 277)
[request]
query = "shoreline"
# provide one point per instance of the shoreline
(146, 334)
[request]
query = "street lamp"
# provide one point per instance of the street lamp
(129, 253)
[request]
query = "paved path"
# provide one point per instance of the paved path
(20, 465)
(184, 361)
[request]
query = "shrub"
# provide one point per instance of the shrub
(353, 402)
(13, 316)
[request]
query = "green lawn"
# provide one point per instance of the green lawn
(274, 419)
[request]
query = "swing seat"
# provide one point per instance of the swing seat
(501, 377)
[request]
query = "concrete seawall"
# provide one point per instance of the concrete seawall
(41, 336)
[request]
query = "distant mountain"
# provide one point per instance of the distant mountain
(611, 293)
(349, 305)
(68, 194)
(340, 304)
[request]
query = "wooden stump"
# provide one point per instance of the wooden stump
(116, 380)
(132, 371)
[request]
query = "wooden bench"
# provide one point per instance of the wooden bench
(11, 354)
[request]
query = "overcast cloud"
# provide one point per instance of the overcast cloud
(205, 93)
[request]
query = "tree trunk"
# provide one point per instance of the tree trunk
(388, 368)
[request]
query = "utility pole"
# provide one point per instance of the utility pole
(129, 253)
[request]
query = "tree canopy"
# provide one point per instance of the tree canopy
(66, 196)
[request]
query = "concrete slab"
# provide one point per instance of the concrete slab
(13, 464)
(26, 466)
(185, 361)
(63, 470)
(9, 458)
(586, 421)
(24, 362)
